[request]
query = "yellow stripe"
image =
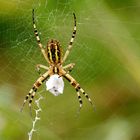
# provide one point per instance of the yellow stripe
(50, 54)
(56, 55)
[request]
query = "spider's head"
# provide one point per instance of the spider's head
(54, 52)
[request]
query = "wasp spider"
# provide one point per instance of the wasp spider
(53, 55)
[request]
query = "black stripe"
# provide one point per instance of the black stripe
(49, 55)
(74, 32)
(87, 96)
(35, 30)
(73, 84)
(38, 41)
(34, 89)
(80, 101)
(53, 54)
(70, 43)
(57, 70)
(53, 70)
(84, 93)
(58, 53)
(78, 87)
(43, 80)
(79, 97)
(37, 83)
(26, 97)
(66, 78)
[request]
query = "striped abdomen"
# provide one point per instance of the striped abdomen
(54, 52)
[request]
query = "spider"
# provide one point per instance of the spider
(53, 55)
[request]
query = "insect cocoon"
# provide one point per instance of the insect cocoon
(55, 85)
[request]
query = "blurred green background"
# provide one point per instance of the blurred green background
(107, 56)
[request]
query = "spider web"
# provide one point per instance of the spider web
(105, 51)
(21, 47)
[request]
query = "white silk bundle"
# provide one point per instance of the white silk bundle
(55, 85)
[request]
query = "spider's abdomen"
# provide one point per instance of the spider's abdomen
(54, 52)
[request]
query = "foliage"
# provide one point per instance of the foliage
(106, 53)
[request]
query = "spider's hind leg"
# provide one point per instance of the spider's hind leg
(33, 90)
(31, 95)
(85, 94)
(80, 100)
(26, 98)
(76, 85)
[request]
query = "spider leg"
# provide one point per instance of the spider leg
(34, 89)
(71, 41)
(76, 85)
(26, 98)
(80, 99)
(37, 38)
(38, 66)
(68, 68)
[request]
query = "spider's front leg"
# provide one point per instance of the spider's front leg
(71, 41)
(38, 38)
(34, 89)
